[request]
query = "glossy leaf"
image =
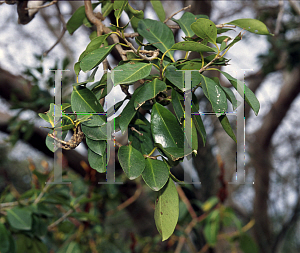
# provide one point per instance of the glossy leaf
(177, 77)
(251, 25)
(192, 46)
(94, 58)
(95, 133)
(159, 9)
(215, 95)
(165, 128)
(227, 127)
(157, 33)
(119, 7)
(131, 72)
(77, 18)
(156, 174)
(144, 143)
(149, 91)
(197, 120)
(77, 68)
(19, 218)
(167, 210)
(132, 161)
(185, 23)
(249, 95)
(98, 147)
(229, 94)
(97, 162)
(205, 28)
(93, 45)
(173, 153)
(51, 144)
(107, 8)
(136, 13)
(84, 102)
(177, 105)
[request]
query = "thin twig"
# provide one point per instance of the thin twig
(62, 20)
(37, 200)
(167, 19)
(12, 204)
(55, 44)
(133, 129)
(128, 202)
(186, 202)
(279, 17)
(54, 224)
(142, 51)
(43, 6)
(154, 54)
(131, 35)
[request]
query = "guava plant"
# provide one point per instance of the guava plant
(161, 83)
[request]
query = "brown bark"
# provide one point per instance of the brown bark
(260, 156)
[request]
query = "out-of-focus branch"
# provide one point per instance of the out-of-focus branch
(295, 5)
(42, 6)
(279, 17)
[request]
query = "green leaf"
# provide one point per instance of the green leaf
(205, 28)
(227, 127)
(137, 13)
(157, 33)
(119, 7)
(167, 210)
(247, 244)
(165, 128)
(172, 153)
(251, 25)
(95, 57)
(131, 72)
(106, 8)
(176, 77)
(77, 18)
(98, 147)
(51, 143)
(192, 46)
(19, 218)
(39, 226)
(248, 94)
(185, 23)
(96, 133)
(177, 105)
(159, 9)
(211, 228)
(4, 239)
(84, 102)
(144, 143)
(77, 68)
(98, 162)
(30, 245)
(215, 95)
(132, 161)
(156, 174)
(93, 45)
(149, 91)
(197, 120)
(229, 94)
